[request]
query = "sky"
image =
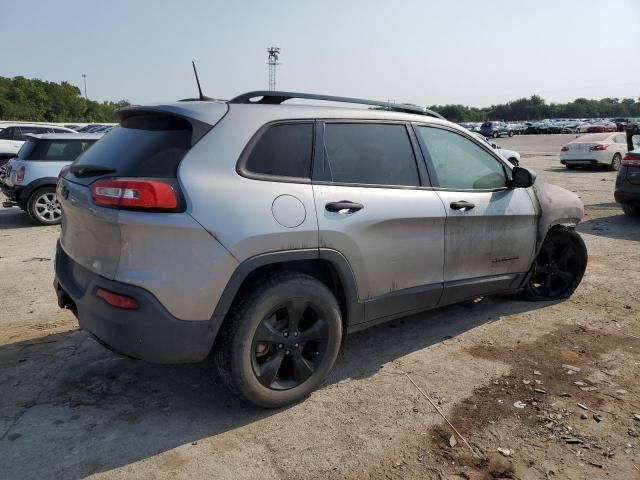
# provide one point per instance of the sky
(425, 52)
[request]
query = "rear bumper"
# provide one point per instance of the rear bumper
(578, 161)
(16, 195)
(148, 333)
(628, 194)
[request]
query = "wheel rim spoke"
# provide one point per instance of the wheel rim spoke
(317, 331)
(268, 371)
(295, 311)
(565, 277)
(266, 333)
(302, 369)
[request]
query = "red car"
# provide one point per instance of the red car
(603, 127)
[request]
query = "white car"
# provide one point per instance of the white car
(12, 136)
(595, 149)
(510, 156)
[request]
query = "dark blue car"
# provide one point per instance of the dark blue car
(495, 129)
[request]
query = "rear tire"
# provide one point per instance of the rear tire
(279, 342)
(559, 267)
(615, 162)
(631, 210)
(511, 134)
(43, 206)
(495, 134)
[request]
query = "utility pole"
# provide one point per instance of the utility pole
(274, 54)
(84, 77)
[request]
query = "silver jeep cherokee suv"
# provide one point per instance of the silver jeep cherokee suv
(264, 232)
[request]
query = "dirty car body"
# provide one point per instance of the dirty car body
(380, 212)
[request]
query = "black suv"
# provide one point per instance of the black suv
(627, 190)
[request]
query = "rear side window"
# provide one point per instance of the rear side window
(369, 153)
(283, 151)
(54, 150)
(142, 146)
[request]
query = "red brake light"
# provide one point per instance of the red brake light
(630, 161)
(117, 300)
(596, 148)
(564, 149)
(20, 174)
(129, 193)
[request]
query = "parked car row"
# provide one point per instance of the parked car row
(593, 125)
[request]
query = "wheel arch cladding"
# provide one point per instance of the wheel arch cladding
(328, 266)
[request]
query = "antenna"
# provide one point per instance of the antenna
(274, 53)
(202, 97)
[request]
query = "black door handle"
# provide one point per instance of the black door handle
(343, 205)
(461, 205)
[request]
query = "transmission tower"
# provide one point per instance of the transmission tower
(274, 53)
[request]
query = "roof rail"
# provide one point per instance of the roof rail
(270, 97)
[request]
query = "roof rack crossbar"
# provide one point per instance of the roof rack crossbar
(270, 97)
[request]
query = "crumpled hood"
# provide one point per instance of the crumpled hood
(557, 206)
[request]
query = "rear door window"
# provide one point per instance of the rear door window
(142, 146)
(284, 150)
(369, 153)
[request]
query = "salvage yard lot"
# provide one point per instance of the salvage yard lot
(70, 408)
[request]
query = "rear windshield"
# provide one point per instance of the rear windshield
(142, 146)
(54, 150)
(595, 137)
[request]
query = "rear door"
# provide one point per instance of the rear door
(374, 206)
(490, 230)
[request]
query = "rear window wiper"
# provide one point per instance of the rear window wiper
(90, 170)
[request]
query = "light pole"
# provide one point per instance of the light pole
(84, 77)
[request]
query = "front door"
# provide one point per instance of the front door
(374, 206)
(490, 232)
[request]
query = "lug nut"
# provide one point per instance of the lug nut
(281, 345)
(296, 345)
(285, 334)
(288, 352)
(295, 334)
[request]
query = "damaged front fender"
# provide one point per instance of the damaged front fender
(556, 206)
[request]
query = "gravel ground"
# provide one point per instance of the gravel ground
(70, 408)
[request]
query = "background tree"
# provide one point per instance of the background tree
(41, 101)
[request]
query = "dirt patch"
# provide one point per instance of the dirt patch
(565, 410)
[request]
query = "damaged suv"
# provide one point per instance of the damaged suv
(262, 232)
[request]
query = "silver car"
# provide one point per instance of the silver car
(29, 180)
(263, 232)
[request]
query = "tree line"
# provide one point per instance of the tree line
(36, 100)
(41, 101)
(535, 108)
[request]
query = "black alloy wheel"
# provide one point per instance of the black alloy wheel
(558, 268)
(289, 344)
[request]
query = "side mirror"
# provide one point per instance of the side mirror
(522, 178)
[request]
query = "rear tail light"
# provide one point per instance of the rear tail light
(597, 148)
(117, 300)
(134, 194)
(630, 161)
(20, 174)
(564, 149)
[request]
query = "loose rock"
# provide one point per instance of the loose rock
(507, 452)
